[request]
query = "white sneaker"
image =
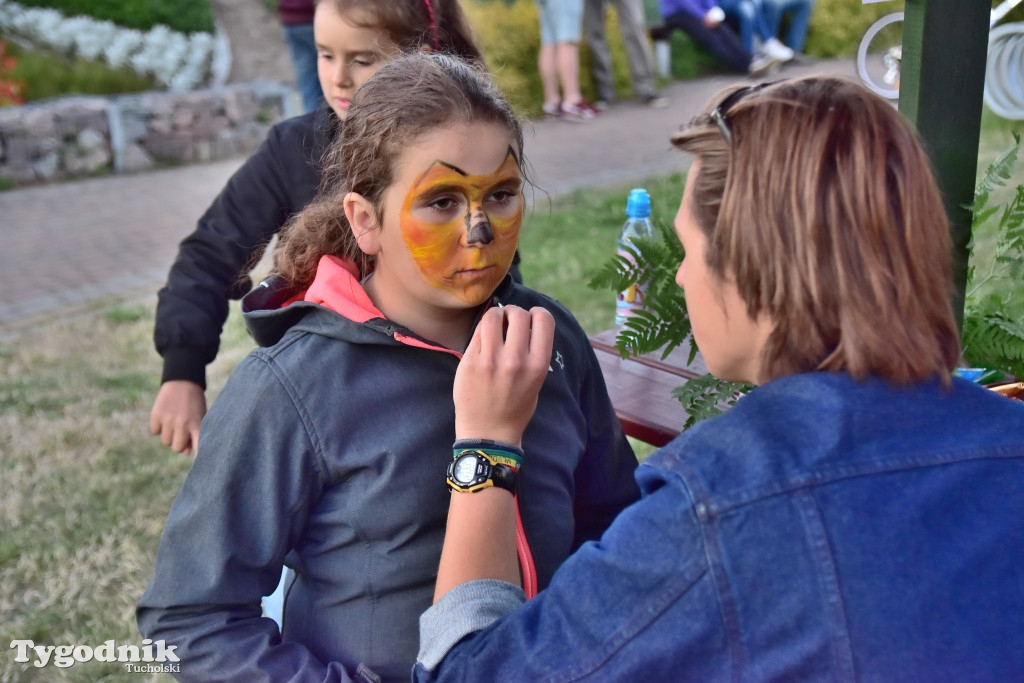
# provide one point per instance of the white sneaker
(774, 48)
(762, 65)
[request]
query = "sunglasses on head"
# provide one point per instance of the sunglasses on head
(720, 112)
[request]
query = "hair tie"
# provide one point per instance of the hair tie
(433, 26)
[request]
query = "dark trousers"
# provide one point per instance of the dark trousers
(720, 41)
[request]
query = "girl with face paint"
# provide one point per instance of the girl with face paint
(354, 38)
(328, 438)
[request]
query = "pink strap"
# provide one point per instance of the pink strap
(527, 568)
(435, 40)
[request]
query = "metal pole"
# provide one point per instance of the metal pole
(943, 77)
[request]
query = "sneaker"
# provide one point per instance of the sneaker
(552, 111)
(773, 47)
(762, 65)
(655, 101)
(581, 111)
(602, 104)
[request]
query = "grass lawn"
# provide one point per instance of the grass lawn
(87, 489)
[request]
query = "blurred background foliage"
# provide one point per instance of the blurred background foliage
(189, 16)
(507, 31)
(44, 73)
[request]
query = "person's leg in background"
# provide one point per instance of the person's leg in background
(546, 64)
(559, 55)
(799, 20)
(743, 13)
(600, 58)
(633, 27)
(719, 40)
(302, 47)
(568, 60)
(547, 59)
(756, 31)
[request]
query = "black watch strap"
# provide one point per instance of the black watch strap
(483, 472)
(504, 477)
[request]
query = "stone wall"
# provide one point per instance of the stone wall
(73, 137)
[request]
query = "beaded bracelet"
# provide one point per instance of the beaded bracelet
(502, 452)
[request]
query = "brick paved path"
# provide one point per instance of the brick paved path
(70, 244)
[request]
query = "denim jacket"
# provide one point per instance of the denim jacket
(824, 529)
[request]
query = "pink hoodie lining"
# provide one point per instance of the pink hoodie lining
(337, 287)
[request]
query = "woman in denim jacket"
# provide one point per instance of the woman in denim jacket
(858, 516)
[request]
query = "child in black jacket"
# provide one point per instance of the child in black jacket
(354, 40)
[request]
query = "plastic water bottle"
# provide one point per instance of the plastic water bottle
(638, 225)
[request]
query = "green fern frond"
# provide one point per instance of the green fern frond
(996, 175)
(619, 272)
(1008, 259)
(663, 324)
(647, 331)
(645, 259)
(982, 215)
(994, 341)
(1011, 226)
(707, 396)
(993, 334)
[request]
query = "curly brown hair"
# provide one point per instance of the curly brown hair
(416, 94)
(821, 205)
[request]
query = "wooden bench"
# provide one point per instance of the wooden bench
(641, 388)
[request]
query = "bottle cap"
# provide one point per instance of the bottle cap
(639, 204)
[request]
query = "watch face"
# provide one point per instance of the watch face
(465, 469)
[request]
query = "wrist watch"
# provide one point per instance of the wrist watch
(473, 470)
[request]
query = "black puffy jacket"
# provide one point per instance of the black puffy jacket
(213, 262)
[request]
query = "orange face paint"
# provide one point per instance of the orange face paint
(462, 229)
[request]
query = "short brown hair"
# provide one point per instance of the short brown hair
(410, 97)
(411, 24)
(824, 210)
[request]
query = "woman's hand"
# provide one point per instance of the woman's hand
(501, 373)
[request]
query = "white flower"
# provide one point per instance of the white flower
(94, 37)
(122, 46)
(179, 61)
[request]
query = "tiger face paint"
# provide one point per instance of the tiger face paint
(462, 229)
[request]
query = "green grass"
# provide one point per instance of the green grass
(49, 74)
(86, 487)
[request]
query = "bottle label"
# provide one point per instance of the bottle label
(630, 300)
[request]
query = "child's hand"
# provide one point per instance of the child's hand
(501, 373)
(714, 17)
(177, 413)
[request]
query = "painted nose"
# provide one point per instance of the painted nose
(479, 229)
